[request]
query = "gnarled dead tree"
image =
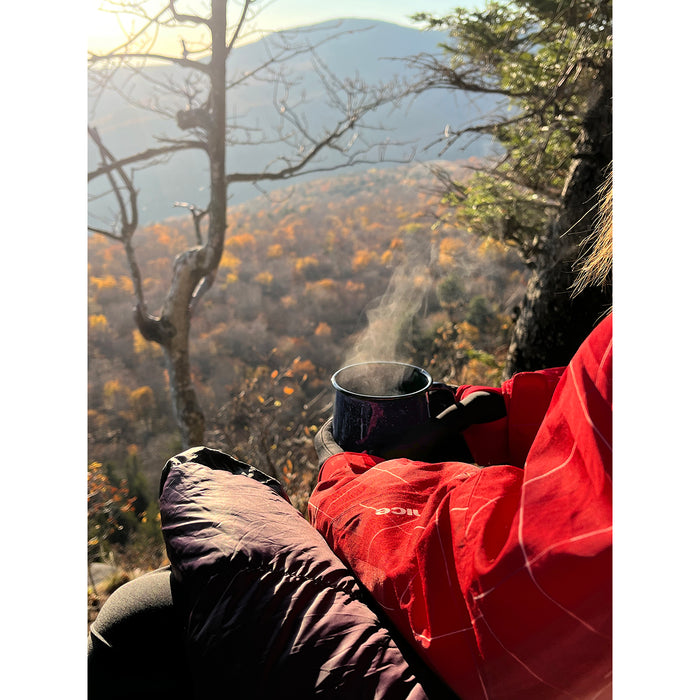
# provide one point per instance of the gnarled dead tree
(198, 105)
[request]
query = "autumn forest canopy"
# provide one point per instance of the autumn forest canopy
(303, 279)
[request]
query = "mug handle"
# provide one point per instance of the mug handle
(440, 397)
(436, 440)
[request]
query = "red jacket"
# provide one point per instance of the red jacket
(501, 577)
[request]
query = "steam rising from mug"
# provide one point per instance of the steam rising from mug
(387, 321)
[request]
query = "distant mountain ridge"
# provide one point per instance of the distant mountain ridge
(364, 48)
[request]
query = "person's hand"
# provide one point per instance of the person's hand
(440, 440)
(436, 441)
(477, 407)
(324, 443)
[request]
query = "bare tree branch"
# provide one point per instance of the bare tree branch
(239, 27)
(177, 60)
(437, 75)
(144, 155)
(197, 216)
(188, 19)
(129, 218)
(129, 224)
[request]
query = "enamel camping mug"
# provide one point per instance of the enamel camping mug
(377, 402)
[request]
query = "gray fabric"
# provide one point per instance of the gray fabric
(136, 645)
(324, 443)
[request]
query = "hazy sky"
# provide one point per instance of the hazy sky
(103, 28)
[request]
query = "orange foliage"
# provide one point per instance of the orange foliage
(112, 387)
(97, 322)
(229, 266)
(467, 336)
(450, 249)
(490, 247)
(242, 241)
(105, 501)
(107, 282)
(324, 286)
(362, 259)
(354, 287)
(275, 251)
(264, 278)
(142, 346)
(142, 399)
(126, 284)
(162, 234)
(303, 264)
(229, 262)
(300, 366)
(327, 283)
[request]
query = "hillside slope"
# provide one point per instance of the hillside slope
(310, 277)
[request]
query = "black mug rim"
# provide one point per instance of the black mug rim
(383, 397)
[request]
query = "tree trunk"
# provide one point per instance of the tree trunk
(189, 415)
(171, 331)
(216, 136)
(198, 265)
(552, 324)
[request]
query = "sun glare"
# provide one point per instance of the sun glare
(107, 29)
(102, 29)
